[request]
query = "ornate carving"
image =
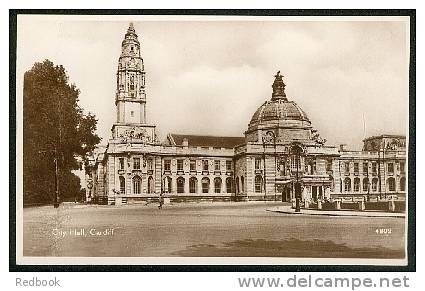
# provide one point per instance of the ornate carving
(269, 138)
(317, 138)
(135, 134)
(394, 144)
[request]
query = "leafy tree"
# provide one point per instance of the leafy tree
(54, 125)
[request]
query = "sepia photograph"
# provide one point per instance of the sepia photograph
(208, 139)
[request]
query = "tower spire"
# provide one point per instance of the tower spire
(131, 28)
(130, 98)
(278, 88)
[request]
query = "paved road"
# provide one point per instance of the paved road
(206, 229)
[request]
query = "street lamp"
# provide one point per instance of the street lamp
(268, 138)
(56, 201)
(296, 150)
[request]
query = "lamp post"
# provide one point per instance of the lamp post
(270, 135)
(56, 201)
(296, 150)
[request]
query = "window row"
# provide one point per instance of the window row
(136, 163)
(192, 165)
(136, 185)
(193, 185)
(391, 185)
(365, 167)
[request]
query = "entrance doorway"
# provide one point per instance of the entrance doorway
(320, 192)
(286, 194)
(314, 192)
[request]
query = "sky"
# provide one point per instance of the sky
(208, 77)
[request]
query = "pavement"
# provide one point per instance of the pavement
(366, 213)
(205, 230)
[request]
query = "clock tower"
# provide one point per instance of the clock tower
(130, 98)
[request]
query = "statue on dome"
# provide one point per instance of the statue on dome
(278, 87)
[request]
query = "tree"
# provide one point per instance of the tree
(54, 126)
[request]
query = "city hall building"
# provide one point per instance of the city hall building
(279, 151)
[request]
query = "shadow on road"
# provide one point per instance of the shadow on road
(287, 248)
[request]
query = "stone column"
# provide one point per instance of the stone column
(186, 184)
(361, 205)
(199, 188)
(391, 205)
(128, 182)
(338, 204)
(174, 184)
(328, 192)
(111, 173)
(211, 190)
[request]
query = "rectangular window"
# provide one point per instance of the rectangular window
(356, 185)
(136, 163)
(347, 167)
(122, 185)
(216, 165)
(193, 166)
(329, 165)
(257, 163)
(374, 168)
(365, 168)
(205, 165)
(356, 168)
(295, 163)
(150, 164)
(375, 185)
(228, 165)
(167, 165)
(402, 169)
(121, 163)
(179, 165)
(390, 168)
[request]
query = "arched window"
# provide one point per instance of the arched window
(258, 184)
(151, 188)
(205, 185)
(242, 184)
(229, 185)
(217, 185)
(374, 184)
(137, 185)
(356, 184)
(180, 185)
(365, 184)
(237, 185)
(403, 184)
(347, 185)
(193, 185)
(122, 185)
(168, 186)
(391, 184)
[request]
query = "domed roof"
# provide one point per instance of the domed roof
(278, 108)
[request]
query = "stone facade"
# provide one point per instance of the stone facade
(280, 150)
